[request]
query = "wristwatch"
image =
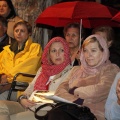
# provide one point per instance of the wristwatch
(21, 97)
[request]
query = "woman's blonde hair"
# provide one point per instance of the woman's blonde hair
(92, 40)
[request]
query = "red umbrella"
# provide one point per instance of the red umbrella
(92, 14)
(116, 17)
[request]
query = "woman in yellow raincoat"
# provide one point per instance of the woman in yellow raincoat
(22, 56)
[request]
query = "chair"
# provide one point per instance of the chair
(18, 86)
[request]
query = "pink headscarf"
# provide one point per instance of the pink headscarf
(105, 57)
(86, 70)
(48, 69)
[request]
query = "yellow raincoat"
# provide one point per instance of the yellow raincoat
(27, 60)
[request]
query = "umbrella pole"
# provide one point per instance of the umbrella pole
(80, 32)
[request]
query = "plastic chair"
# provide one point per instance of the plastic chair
(18, 86)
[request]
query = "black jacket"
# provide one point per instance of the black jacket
(6, 41)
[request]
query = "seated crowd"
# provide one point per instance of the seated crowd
(88, 76)
(87, 84)
(53, 71)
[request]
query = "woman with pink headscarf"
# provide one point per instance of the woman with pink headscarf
(89, 84)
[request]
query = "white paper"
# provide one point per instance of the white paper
(46, 97)
(42, 97)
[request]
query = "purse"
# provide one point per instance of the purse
(73, 110)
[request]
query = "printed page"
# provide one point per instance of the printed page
(46, 97)
(42, 97)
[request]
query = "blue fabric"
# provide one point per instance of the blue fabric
(79, 101)
(112, 108)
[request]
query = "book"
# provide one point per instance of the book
(42, 97)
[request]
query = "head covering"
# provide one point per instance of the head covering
(86, 70)
(103, 44)
(48, 69)
(12, 12)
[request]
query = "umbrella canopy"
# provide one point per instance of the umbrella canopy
(91, 13)
(116, 17)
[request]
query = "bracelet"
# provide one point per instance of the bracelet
(21, 97)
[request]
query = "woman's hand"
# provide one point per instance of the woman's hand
(4, 79)
(27, 103)
(118, 91)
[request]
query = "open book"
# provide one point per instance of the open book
(42, 97)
